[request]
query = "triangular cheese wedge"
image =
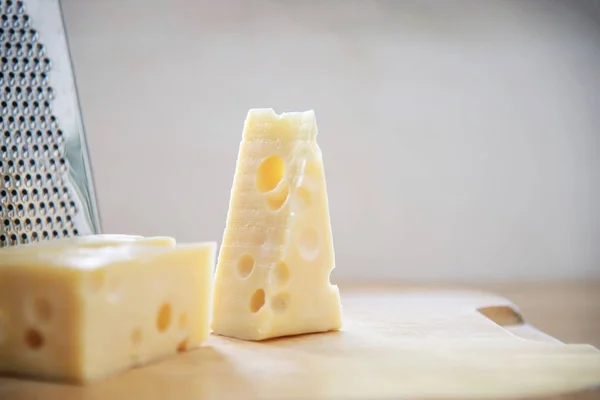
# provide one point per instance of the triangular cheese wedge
(273, 270)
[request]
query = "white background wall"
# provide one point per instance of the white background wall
(461, 138)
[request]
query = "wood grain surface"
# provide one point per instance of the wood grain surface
(397, 342)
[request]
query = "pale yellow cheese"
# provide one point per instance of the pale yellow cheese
(277, 254)
(83, 313)
(90, 241)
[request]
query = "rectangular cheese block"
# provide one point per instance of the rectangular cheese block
(273, 270)
(82, 313)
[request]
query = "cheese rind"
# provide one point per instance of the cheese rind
(277, 254)
(80, 314)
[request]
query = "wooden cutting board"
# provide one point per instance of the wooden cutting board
(418, 344)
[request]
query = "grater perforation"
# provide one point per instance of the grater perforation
(46, 189)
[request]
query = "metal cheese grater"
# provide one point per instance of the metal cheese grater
(46, 188)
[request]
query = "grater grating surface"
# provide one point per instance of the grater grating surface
(46, 189)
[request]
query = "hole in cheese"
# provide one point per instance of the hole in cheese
(280, 302)
(276, 200)
(304, 196)
(261, 238)
(42, 309)
(280, 273)
(311, 176)
(332, 274)
(245, 265)
(113, 293)
(34, 339)
(182, 321)
(97, 279)
(163, 319)
(182, 346)
(270, 173)
(136, 336)
(312, 170)
(309, 244)
(257, 300)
